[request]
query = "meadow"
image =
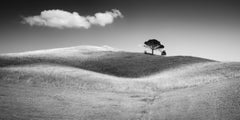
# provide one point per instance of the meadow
(89, 82)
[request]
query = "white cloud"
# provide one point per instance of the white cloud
(64, 19)
(103, 19)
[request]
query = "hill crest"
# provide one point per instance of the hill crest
(79, 49)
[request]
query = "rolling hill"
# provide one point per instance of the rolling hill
(116, 63)
(88, 82)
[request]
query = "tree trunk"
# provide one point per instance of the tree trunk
(152, 51)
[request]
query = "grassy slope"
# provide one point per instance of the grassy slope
(61, 68)
(121, 64)
(124, 64)
(26, 91)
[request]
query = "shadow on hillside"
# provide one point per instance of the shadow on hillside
(121, 64)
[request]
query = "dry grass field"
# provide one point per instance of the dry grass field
(86, 82)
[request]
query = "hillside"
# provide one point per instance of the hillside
(116, 63)
(104, 83)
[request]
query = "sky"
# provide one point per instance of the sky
(202, 28)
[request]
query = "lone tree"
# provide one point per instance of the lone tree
(153, 44)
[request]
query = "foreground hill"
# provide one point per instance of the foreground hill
(104, 83)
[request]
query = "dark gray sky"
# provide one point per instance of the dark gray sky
(204, 28)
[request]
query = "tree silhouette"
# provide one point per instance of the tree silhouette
(153, 44)
(163, 52)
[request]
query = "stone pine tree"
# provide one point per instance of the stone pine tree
(153, 44)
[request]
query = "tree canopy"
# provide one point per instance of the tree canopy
(153, 44)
